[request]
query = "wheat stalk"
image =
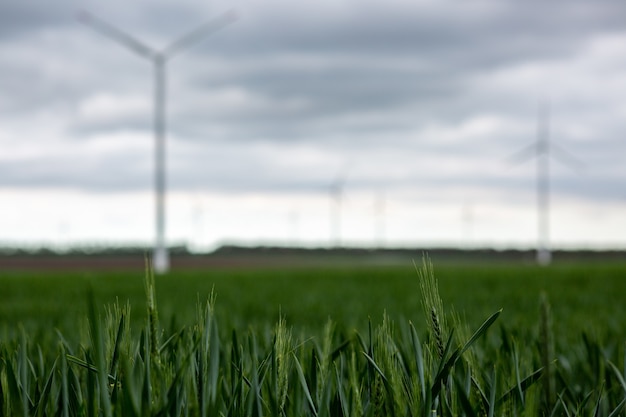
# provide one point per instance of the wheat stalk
(433, 306)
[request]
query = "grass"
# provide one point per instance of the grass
(460, 340)
(582, 297)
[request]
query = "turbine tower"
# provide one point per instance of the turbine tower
(159, 59)
(336, 200)
(379, 219)
(543, 150)
(467, 217)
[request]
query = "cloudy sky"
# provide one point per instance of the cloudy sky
(411, 109)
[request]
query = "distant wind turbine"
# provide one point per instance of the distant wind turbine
(159, 59)
(336, 191)
(379, 217)
(542, 150)
(294, 222)
(467, 217)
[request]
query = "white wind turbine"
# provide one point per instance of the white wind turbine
(336, 191)
(467, 218)
(159, 59)
(379, 219)
(542, 150)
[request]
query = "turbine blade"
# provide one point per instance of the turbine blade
(202, 30)
(566, 158)
(116, 34)
(336, 187)
(340, 179)
(524, 154)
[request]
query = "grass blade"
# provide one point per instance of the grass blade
(618, 409)
(304, 384)
(65, 398)
(481, 330)
(98, 346)
(464, 399)
(618, 374)
(14, 391)
(116, 349)
(521, 386)
(419, 359)
(385, 382)
(596, 411)
(492, 392)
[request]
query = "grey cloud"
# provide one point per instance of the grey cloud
(23, 18)
(123, 171)
(368, 78)
(448, 34)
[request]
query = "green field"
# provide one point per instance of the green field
(583, 297)
(586, 322)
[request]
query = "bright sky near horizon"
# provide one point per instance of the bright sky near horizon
(410, 108)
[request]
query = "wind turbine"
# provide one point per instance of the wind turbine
(159, 59)
(294, 222)
(542, 150)
(379, 219)
(336, 190)
(467, 217)
(336, 193)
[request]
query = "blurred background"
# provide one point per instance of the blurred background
(334, 123)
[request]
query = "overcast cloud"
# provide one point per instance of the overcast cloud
(423, 97)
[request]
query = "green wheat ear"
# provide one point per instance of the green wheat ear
(433, 306)
(283, 346)
(153, 314)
